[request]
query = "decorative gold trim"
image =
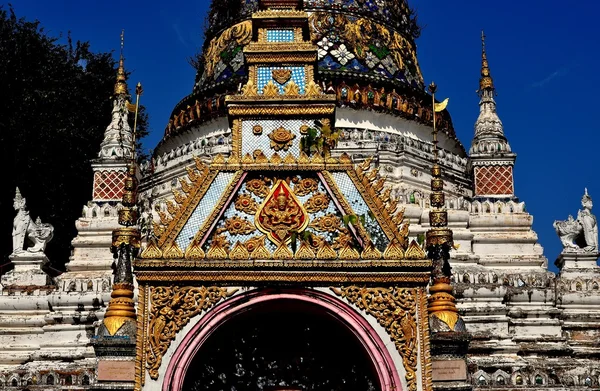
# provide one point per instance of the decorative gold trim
(306, 276)
(241, 33)
(425, 348)
(140, 348)
(414, 251)
(218, 208)
(208, 263)
(194, 252)
(151, 251)
(171, 309)
(395, 310)
(265, 110)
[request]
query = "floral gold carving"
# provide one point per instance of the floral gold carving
(326, 252)
(393, 251)
(281, 76)
(237, 226)
(349, 253)
(304, 252)
(280, 214)
(219, 246)
(194, 251)
(305, 186)
(281, 139)
(239, 252)
(316, 203)
(257, 130)
(414, 251)
(304, 129)
(283, 252)
(327, 223)
(270, 89)
(291, 89)
(171, 309)
(151, 251)
(241, 33)
(245, 203)
(173, 252)
(254, 242)
(257, 187)
(395, 310)
(370, 252)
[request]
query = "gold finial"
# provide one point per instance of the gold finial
(485, 82)
(121, 84)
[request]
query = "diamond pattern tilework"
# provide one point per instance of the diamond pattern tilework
(204, 209)
(264, 74)
(280, 35)
(108, 185)
(494, 180)
(252, 142)
(360, 207)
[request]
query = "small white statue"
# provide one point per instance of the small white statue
(581, 234)
(24, 227)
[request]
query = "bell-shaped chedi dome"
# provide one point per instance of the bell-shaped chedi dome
(363, 40)
(366, 55)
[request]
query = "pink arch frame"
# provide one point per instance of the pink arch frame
(368, 337)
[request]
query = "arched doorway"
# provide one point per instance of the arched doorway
(284, 343)
(361, 342)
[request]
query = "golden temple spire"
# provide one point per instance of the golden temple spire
(442, 308)
(485, 82)
(125, 244)
(121, 84)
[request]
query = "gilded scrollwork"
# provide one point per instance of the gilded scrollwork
(245, 203)
(305, 186)
(171, 309)
(327, 223)
(316, 203)
(395, 310)
(237, 226)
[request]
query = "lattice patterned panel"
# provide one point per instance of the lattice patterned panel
(360, 207)
(280, 35)
(264, 74)
(204, 209)
(494, 180)
(253, 140)
(108, 185)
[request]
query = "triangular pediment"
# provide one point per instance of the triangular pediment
(283, 208)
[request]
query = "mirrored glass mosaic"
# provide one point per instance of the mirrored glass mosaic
(204, 209)
(265, 74)
(280, 35)
(252, 142)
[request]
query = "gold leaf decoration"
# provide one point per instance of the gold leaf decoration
(249, 89)
(370, 252)
(283, 252)
(179, 197)
(254, 242)
(173, 252)
(304, 252)
(247, 159)
(185, 185)
(289, 159)
(415, 252)
(257, 187)
(327, 223)
(240, 33)
(194, 252)
(151, 251)
(257, 130)
(326, 252)
(276, 159)
(305, 186)
(239, 252)
(281, 76)
(316, 203)
(313, 89)
(260, 252)
(393, 251)
(349, 253)
(172, 309)
(218, 247)
(238, 226)
(270, 89)
(245, 203)
(291, 89)
(281, 139)
(395, 310)
(172, 208)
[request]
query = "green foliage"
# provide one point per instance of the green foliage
(321, 139)
(56, 106)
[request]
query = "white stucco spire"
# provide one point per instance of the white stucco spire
(489, 132)
(118, 135)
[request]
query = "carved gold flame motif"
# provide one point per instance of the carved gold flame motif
(280, 214)
(281, 76)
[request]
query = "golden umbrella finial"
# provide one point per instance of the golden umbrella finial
(485, 82)
(121, 84)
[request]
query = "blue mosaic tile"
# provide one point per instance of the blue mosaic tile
(280, 35)
(204, 209)
(264, 75)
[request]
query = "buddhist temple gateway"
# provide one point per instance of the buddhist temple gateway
(309, 221)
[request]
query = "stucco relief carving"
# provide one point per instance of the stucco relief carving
(581, 234)
(37, 233)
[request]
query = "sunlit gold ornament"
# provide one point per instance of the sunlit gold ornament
(305, 186)
(257, 130)
(239, 226)
(258, 187)
(281, 139)
(327, 223)
(316, 203)
(245, 203)
(281, 76)
(280, 214)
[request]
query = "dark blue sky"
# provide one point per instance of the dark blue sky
(543, 56)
